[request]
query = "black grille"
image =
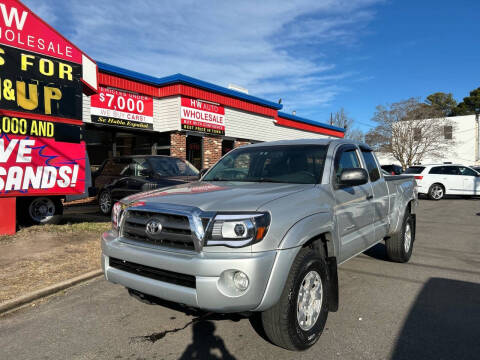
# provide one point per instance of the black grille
(175, 232)
(154, 273)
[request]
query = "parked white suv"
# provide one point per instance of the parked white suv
(436, 181)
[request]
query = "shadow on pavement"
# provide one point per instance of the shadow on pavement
(443, 323)
(378, 252)
(205, 342)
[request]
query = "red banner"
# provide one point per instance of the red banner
(34, 165)
(21, 28)
(198, 115)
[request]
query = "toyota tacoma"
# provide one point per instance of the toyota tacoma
(263, 231)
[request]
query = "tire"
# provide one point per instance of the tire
(436, 192)
(400, 246)
(105, 202)
(41, 211)
(281, 322)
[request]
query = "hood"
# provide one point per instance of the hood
(219, 196)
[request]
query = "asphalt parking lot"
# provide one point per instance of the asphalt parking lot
(426, 309)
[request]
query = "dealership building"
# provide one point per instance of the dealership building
(138, 114)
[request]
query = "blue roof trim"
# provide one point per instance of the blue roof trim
(127, 73)
(180, 78)
(310, 122)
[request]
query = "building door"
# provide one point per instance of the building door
(227, 146)
(194, 151)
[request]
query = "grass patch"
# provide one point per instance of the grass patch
(74, 228)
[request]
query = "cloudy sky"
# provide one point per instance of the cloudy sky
(317, 55)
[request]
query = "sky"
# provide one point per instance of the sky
(316, 55)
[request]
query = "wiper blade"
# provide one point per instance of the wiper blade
(270, 180)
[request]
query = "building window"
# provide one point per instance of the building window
(417, 134)
(447, 132)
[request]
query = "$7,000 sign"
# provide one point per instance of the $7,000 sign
(119, 108)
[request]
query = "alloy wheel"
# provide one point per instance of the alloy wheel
(309, 300)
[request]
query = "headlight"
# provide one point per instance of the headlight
(116, 214)
(237, 230)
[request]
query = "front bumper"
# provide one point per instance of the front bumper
(211, 291)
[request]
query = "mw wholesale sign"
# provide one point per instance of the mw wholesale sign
(42, 79)
(120, 108)
(198, 115)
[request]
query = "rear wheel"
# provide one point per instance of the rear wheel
(400, 246)
(41, 210)
(436, 192)
(297, 320)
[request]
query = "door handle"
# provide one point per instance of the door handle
(369, 197)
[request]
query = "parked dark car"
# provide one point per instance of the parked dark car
(392, 169)
(123, 176)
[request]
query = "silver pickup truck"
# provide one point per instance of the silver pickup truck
(263, 231)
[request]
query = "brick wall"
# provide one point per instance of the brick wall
(178, 145)
(212, 150)
(239, 143)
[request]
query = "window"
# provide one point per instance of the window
(372, 167)
(450, 170)
(415, 170)
(115, 167)
(169, 166)
(136, 167)
(436, 170)
(447, 132)
(347, 159)
(417, 134)
(466, 171)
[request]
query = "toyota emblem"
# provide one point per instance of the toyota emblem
(153, 227)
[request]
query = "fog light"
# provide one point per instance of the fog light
(240, 280)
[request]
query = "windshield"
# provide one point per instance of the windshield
(169, 166)
(284, 164)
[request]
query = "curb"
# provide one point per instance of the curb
(35, 295)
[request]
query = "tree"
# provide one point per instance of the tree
(443, 102)
(341, 119)
(470, 104)
(409, 131)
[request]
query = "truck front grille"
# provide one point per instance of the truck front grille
(175, 229)
(154, 273)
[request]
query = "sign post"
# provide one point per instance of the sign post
(42, 80)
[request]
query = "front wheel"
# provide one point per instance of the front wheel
(297, 320)
(105, 202)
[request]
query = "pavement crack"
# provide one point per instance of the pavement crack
(154, 337)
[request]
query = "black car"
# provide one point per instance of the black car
(122, 176)
(392, 169)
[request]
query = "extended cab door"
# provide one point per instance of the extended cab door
(380, 200)
(353, 207)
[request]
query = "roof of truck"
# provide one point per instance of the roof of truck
(310, 142)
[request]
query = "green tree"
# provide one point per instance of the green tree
(470, 104)
(443, 102)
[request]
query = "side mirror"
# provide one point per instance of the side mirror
(353, 177)
(203, 172)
